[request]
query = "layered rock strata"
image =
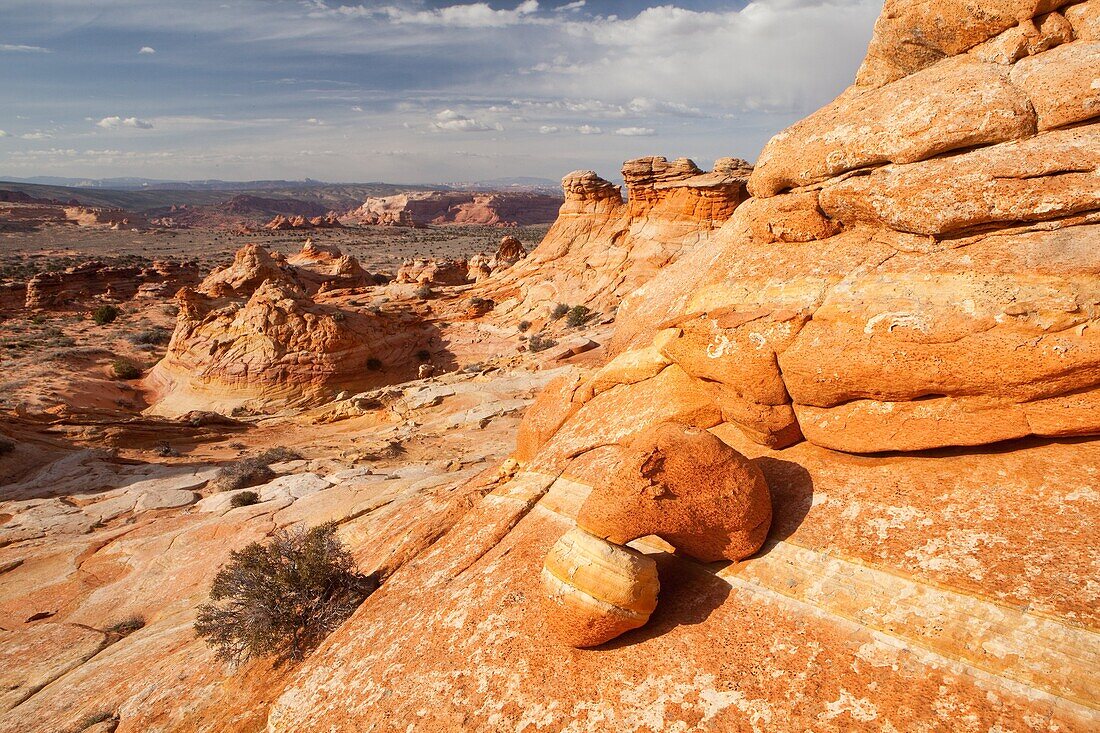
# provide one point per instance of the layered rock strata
(602, 247)
(260, 335)
(421, 208)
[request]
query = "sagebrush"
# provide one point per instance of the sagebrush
(281, 598)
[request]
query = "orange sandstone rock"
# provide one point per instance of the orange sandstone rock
(688, 488)
(595, 590)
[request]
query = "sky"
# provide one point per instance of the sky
(408, 92)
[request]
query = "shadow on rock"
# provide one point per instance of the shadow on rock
(792, 490)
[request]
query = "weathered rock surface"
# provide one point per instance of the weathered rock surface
(421, 208)
(425, 271)
(251, 336)
(596, 590)
(687, 487)
(601, 248)
(92, 282)
(948, 209)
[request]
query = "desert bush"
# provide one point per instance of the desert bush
(339, 316)
(152, 336)
(523, 326)
(279, 454)
(578, 316)
(538, 342)
(423, 355)
(281, 598)
(559, 311)
(105, 314)
(122, 369)
(127, 626)
(482, 304)
(374, 364)
(424, 291)
(242, 474)
(245, 498)
(6, 445)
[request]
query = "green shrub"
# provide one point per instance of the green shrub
(538, 342)
(153, 336)
(105, 314)
(281, 598)
(559, 311)
(245, 498)
(578, 316)
(122, 369)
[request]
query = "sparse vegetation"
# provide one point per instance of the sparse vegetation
(279, 454)
(423, 355)
(152, 336)
(559, 311)
(339, 316)
(105, 314)
(122, 369)
(539, 342)
(482, 305)
(523, 326)
(245, 498)
(578, 315)
(165, 450)
(242, 474)
(127, 626)
(424, 291)
(281, 598)
(6, 445)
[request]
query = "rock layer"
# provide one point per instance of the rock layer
(596, 590)
(601, 248)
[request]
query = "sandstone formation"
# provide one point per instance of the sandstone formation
(431, 272)
(283, 223)
(421, 208)
(601, 247)
(846, 302)
(85, 284)
(257, 334)
(687, 487)
(109, 218)
(509, 252)
(596, 590)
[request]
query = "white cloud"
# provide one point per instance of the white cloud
(18, 48)
(548, 129)
(589, 130)
(147, 50)
(4, 134)
(357, 108)
(635, 131)
(571, 6)
(115, 122)
(36, 135)
(314, 121)
(452, 121)
(472, 15)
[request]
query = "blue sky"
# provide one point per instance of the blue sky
(408, 91)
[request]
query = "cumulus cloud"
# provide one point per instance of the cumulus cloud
(147, 51)
(635, 131)
(4, 134)
(452, 121)
(571, 6)
(115, 122)
(589, 130)
(19, 48)
(548, 129)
